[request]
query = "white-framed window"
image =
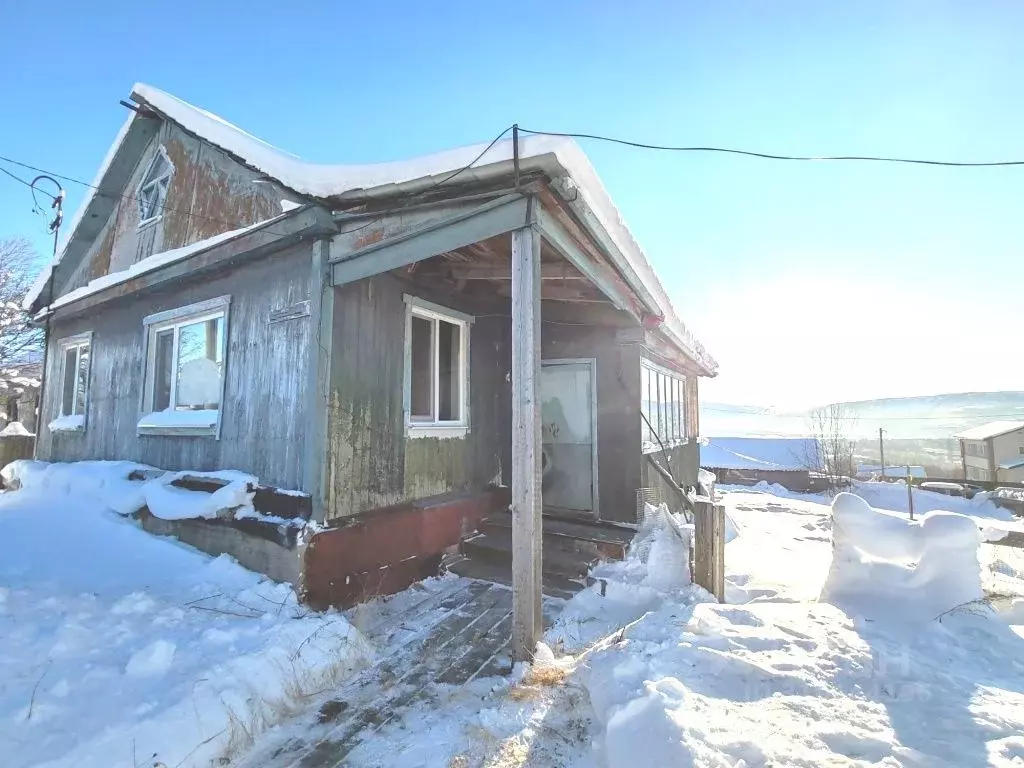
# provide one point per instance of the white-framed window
(436, 388)
(663, 403)
(75, 355)
(153, 190)
(186, 351)
(1020, 450)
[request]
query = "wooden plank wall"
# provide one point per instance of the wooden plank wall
(266, 365)
(371, 464)
(683, 462)
(209, 193)
(618, 409)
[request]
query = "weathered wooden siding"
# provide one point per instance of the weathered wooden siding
(618, 409)
(682, 461)
(263, 416)
(371, 463)
(209, 193)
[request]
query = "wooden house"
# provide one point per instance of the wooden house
(414, 345)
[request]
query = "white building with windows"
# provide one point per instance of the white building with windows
(993, 452)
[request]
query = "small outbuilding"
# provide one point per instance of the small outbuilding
(787, 461)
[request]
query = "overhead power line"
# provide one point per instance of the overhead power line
(26, 183)
(769, 156)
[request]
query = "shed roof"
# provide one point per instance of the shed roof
(1012, 463)
(992, 429)
(338, 183)
(773, 454)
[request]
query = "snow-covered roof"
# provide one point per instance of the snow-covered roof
(760, 453)
(1012, 463)
(992, 429)
(326, 181)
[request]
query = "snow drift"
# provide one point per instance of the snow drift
(888, 568)
(109, 484)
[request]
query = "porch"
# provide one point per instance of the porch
(481, 341)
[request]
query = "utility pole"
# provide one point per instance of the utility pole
(58, 217)
(910, 493)
(881, 451)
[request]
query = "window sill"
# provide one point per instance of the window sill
(67, 424)
(180, 423)
(440, 431)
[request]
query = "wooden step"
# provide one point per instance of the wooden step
(495, 546)
(552, 585)
(604, 539)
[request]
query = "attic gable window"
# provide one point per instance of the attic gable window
(437, 370)
(153, 190)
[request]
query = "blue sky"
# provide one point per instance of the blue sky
(809, 282)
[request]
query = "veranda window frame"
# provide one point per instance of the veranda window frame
(665, 403)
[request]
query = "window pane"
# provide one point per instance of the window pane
(67, 403)
(199, 365)
(645, 401)
(680, 408)
(421, 359)
(449, 355)
(670, 423)
(660, 424)
(83, 379)
(163, 358)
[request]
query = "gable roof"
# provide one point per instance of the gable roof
(992, 429)
(560, 157)
(772, 454)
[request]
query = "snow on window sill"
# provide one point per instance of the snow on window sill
(74, 423)
(440, 431)
(179, 423)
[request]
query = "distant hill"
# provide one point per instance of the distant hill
(931, 417)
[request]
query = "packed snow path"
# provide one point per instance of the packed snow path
(440, 634)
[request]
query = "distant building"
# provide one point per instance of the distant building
(993, 452)
(865, 471)
(787, 461)
(19, 394)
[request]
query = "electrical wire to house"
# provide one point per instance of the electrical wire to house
(769, 156)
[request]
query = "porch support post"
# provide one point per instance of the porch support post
(527, 622)
(321, 324)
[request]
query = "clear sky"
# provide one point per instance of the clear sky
(808, 282)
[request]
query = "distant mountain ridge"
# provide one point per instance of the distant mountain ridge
(925, 416)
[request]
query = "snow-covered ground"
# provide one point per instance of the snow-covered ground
(655, 674)
(119, 648)
(118, 645)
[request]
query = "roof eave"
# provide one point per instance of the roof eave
(564, 186)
